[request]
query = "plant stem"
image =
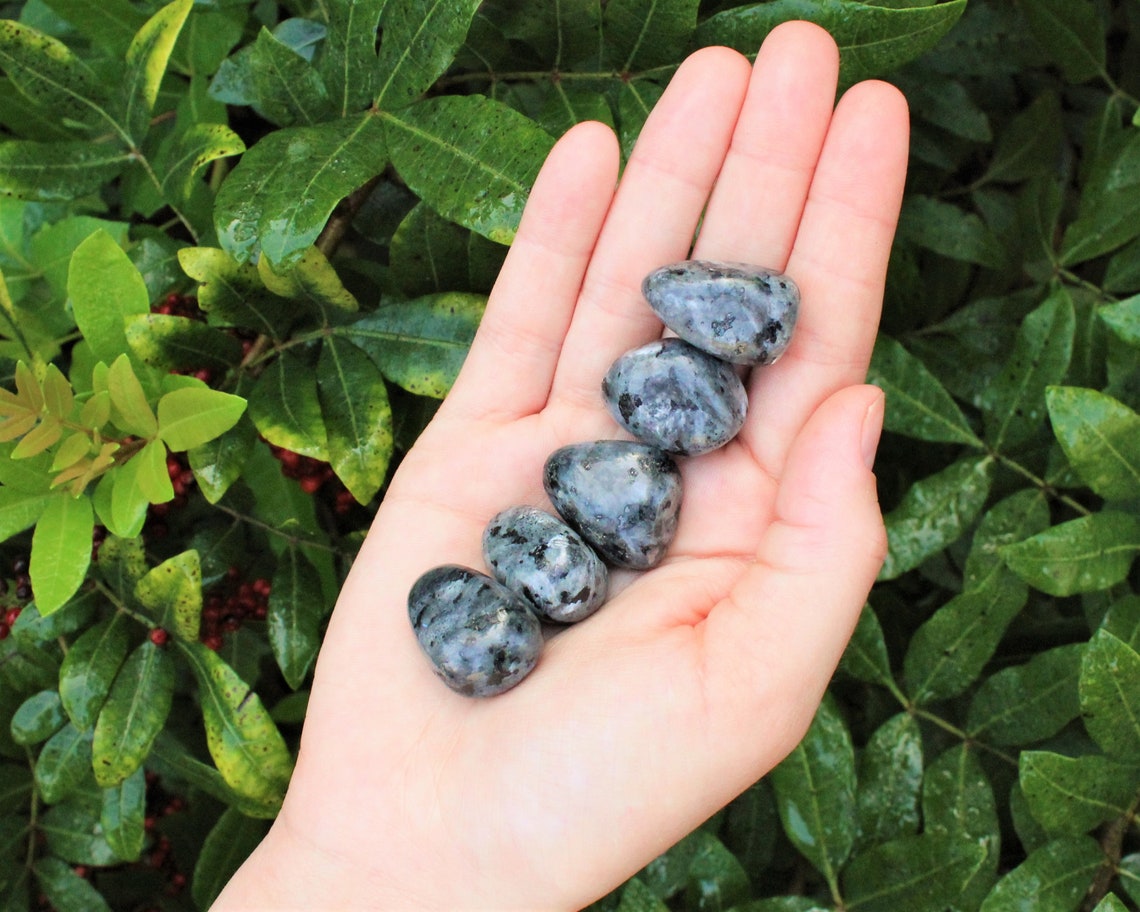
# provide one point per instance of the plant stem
(1112, 843)
(1041, 483)
(293, 540)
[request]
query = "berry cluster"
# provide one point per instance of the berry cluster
(182, 480)
(313, 475)
(231, 604)
(21, 587)
(179, 305)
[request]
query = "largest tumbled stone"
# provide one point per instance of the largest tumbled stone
(737, 312)
(622, 496)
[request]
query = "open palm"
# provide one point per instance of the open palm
(696, 677)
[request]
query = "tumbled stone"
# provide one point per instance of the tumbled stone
(737, 312)
(672, 395)
(539, 557)
(481, 638)
(623, 497)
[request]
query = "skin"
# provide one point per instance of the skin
(697, 677)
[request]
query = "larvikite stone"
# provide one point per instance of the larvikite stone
(672, 395)
(539, 557)
(481, 638)
(737, 312)
(623, 497)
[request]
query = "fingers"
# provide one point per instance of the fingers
(519, 339)
(839, 260)
(654, 216)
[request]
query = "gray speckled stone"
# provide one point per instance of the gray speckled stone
(672, 395)
(623, 497)
(542, 559)
(482, 639)
(739, 313)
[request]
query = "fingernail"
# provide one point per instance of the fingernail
(872, 430)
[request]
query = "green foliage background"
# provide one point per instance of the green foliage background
(337, 200)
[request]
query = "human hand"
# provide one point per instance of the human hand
(696, 677)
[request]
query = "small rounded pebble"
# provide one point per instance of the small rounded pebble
(737, 312)
(481, 638)
(672, 395)
(623, 497)
(539, 557)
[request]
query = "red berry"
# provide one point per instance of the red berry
(311, 484)
(4, 631)
(11, 614)
(159, 636)
(213, 641)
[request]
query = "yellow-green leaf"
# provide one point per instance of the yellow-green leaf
(61, 551)
(192, 416)
(146, 62)
(173, 593)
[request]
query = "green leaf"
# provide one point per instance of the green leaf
(1071, 795)
(73, 831)
(129, 406)
(120, 501)
(348, 62)
(566, 105)
(296, 609)
(916, 873)
(1023, 513)
(1029, 143)
(38, 718)
(233, 293)
(195, 147)
(49, 171)
(134, 714)
(111, 24)
(278, 199)
(1101, 439)
(52, 77)
(636, 99)
(890, 781)
(61, 551)
(866, 657)
(637, 897)
(66, 890)
(420, 41)
(89, 668)
(228, 844)
(1110, 695)
(311, 281)
(218, 463)
(1082, 555)
(872, 40)
(640, 34)
(1014, 405)
(1104, 223)
(287, 87)
(170, 759)
(1110, 903)
(470, 158)
(19, 510)
(950, 231)
(123, 816)
(357, 416)
(1054, 878)
(420, 345)
(815, 793)
(1123, 319)
(193, 416)
(1072, 33)
(716, 879)
(935, 512)
(146, 62)
(917, 404)
(173, 593)
(1030, 702)
(104, 288)
(284, 407)
(246, 746)
(64, 764)
(153, 477)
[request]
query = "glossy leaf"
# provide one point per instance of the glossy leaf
(1101, 439)
(890, 781)
(105, 288)
(1110, 903)
(218, 463)
(1071, 795)
(640, 34)
(89, 668)
(917, 873)
(815, 793)
(1022, 514)
(19, 510)
(470, 158)
(1103, 224)
(1110, 695)
(280, 196)
(73, 832)
(296, 609)
(284, 407)
(123, 816)
(61, 551)
(1030, 702)
(901, 34)
(232, 293)
(64, 763)
(1072, 34)
(49, 171)
(311, 281)
(193, 416)
(716, 879)
(950, 231)
(935, 512)
(357, 417)
(1052, 879)
(135, 711)
(196, 146)
(420, 345)
(1015, 402)
(917, 404)
(428, 254)
(636, 99)
(1082, 555)
(146, 61)
(246, 746)
(866, 655)
(232, 840)
(39, 717)
(287, 87)
(420, 40)
(173, 593)
(348, 64)
(130, 408)
(179, 343)
(65, 889)
(1123, 319)
(637, 897)
(120, 501)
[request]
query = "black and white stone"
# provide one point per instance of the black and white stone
(623, 497)
(736, 312)
(539, 557)
(481, 638)
(672, 395)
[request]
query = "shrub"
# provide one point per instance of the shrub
(182, 487)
